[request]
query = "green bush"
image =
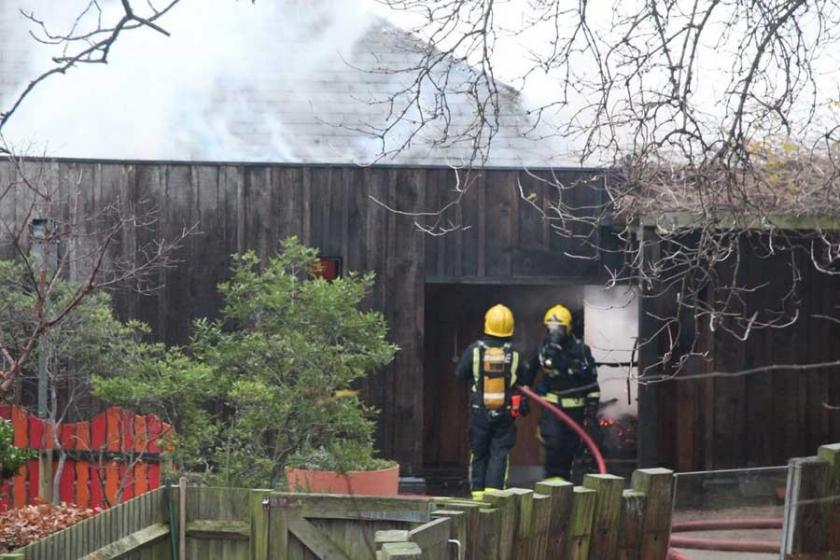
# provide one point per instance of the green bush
(11, 457)
(269, 380)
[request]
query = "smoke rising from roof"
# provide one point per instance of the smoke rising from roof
(281, 80)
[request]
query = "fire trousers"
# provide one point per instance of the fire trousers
(491, 439)
(560, 441)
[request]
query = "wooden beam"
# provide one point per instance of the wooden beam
(657, 485)
(831, 514)
(804, 524)
(401, 551)
(630, 533)
(219, 529)
(132, 542)
(259, 524)
(505, 503)
(328, 506)
(580, 524)
(431, 535)
(605, 524)
(560, 492)
(315, 540)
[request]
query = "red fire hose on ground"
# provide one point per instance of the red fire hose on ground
(702, 525)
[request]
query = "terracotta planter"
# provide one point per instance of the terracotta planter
(384, 482)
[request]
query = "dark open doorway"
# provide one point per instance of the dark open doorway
(455, 317)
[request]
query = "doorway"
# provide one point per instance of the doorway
(454, 318)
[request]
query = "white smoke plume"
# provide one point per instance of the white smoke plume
(180, 97)
(275, 80)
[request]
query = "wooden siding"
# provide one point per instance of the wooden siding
(340, 210)
(765, 417)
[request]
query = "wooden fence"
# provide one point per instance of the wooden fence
(600, 520)
(109, 459)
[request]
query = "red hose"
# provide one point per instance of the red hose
(674, 554)
(727, 524)
(725, 545)
(566, 419)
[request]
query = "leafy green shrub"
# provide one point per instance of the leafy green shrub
(11, 458)
(269, 380)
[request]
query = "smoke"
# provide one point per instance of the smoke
(612, 326)
(203, 93)
(275, 80)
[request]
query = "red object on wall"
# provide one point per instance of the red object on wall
(327, 268)
(112, 454)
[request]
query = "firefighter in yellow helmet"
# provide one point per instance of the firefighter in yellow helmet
(494, 368)
(569, 380)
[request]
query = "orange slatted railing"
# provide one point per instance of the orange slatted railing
(111, 458)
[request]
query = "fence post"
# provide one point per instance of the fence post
(580, 524)
(458, 528)
(608, 488)
(403, 550)
(471, 511)
(804, 525)
(657, 485)
(630, 533)
(560, 493)
(505, 503)
(541, 523)
(524, 500)
(259, 524)
(831, 455)
(491, 528)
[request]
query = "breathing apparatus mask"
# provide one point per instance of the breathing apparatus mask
(557, 335)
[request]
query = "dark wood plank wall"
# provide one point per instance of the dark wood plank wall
(766, 417)
(499, 238)
(241, 207)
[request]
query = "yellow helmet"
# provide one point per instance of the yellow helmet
(559, 314)
(498, 321)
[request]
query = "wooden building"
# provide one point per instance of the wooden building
(434, 289)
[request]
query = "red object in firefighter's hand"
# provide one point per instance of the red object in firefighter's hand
(515, 403)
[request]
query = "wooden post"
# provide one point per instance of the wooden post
(12, 556)
(605, 524)
(182, 518)
(524, 500)
(804, 529)
(560, 493)
(580, 524)
(259, 524)
(657, 485)
(403, 551)
(489, 537)
(630, 532)
(45, 475)
(458, 530)
(831, 455)
(505, 502)
(471, 511)
(541, 526)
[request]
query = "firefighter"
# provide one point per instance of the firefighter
(494, 368)
(570, 381)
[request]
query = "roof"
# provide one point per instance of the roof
(281, 105)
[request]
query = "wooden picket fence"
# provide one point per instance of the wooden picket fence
(600, 520)
(109, 459)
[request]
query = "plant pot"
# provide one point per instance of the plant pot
(383, 482)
